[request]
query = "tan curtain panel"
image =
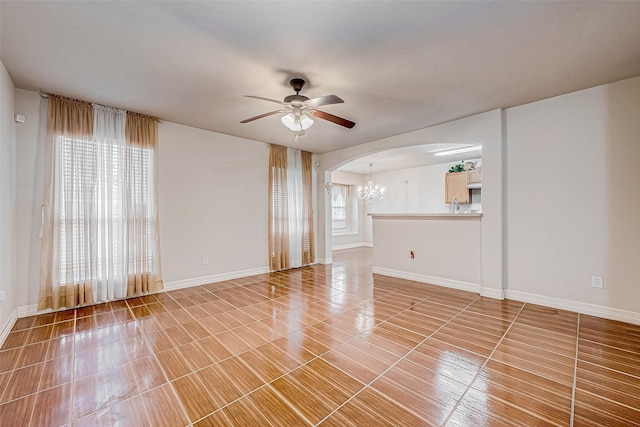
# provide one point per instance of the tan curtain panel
(141, 130)
(308, 255)
(278, 209)
(142, 223)
(72, 119)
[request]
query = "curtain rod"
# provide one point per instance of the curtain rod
(49, 95)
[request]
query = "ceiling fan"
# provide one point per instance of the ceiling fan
(297, 109)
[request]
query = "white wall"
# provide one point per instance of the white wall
(7, 200)
(418, 190)
(574, 196)
(213, 202)
(361, 236)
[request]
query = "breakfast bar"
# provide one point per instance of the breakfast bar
(438, 248)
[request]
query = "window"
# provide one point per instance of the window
(79, 186)
(291, 242)
(343, 209)
(92, 208)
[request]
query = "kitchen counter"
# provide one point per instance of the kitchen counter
(428, 216)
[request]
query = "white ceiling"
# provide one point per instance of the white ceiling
(399, 66)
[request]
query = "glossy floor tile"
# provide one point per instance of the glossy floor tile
(323, 345)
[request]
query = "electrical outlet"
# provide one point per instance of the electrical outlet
(205, 260)
(597, 282)
(3, 296)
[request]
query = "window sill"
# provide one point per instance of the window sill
(345, 233)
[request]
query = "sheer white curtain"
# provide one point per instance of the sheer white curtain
(294, 194)
(89, 246)
(109, 246)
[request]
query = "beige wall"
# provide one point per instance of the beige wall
(447, 251)
(485, 129)
(30, 190)
(7, 199)
(574, 196)
(560, 197)
(213, 202)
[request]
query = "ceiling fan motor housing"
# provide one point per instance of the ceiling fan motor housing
(296, 99)
(296, 84)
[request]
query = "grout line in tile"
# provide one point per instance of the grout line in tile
(455, 407)
(393, 365)
(278, 393)
(73, 368)
(169, 383)
(39, 380)
(575, 374)
(261, 387)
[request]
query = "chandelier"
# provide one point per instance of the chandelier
(371, 192)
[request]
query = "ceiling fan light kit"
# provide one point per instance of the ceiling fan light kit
(296, 121)
(297, 110)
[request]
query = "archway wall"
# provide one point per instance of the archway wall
(485, 129)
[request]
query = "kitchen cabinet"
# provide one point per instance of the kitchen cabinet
(474, 176)
(456, 185)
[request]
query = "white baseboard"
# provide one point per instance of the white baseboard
(576, 306)
(352, 245)
(324, 260)
(423, 278)
(205, 280)
(492, 293)
(30, 310)
(8, 325)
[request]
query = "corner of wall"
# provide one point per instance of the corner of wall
(7, 201)
(8, 325)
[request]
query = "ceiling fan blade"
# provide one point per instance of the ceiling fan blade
(264, 99)
(335, 119)
(270, 113)
(324, 100)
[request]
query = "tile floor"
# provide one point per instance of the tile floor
(325, 345)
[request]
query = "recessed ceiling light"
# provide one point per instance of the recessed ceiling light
(458, 150)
